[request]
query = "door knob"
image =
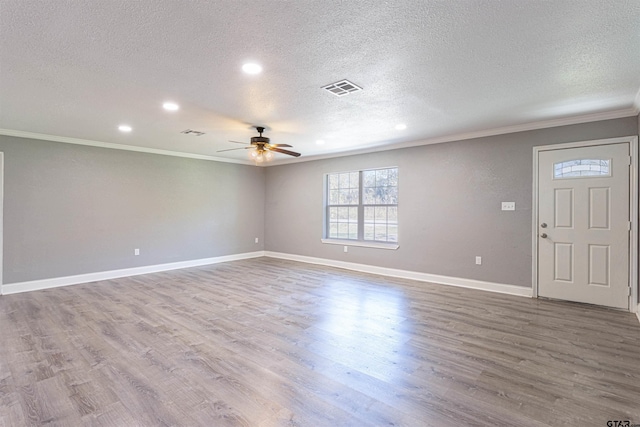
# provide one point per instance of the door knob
(543, 235)
(543, 225)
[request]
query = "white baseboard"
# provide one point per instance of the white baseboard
(413, 275)
(35, 285)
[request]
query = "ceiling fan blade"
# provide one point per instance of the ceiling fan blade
(238, 142)
(280, 150)
(231, 149)
(280, 145)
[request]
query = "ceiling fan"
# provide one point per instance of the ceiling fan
(261, 149)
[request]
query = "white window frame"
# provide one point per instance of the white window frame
(360, 241)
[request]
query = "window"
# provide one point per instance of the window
(362, 206)
(583, 167)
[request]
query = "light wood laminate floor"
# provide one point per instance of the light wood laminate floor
(268, 342)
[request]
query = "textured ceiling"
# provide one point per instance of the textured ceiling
(78, 69)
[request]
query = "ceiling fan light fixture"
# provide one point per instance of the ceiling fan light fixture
(260, 150)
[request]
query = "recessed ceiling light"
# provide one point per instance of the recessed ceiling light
(401, 126)
(320, 142)
(252, 68)
(170, 106)
(124, 128)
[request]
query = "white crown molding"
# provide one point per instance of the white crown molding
(405, 274)
(36, 285)
(585, 118)
(77, 141)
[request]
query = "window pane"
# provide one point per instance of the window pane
(392, 195)
(387, 195)
(353, 215)
(368, 213)
(334, 197)
(353, 231)
(344, 197)
(353, 197)
(343, 231)
(381, 232)
(344, 180)
(333, 214)
(381, 214)
(333, 182)
(369, 178)
(392, 235)
(379, 195)
(369, 196)
(343, 214)
(392, 215)
(354, 180)
(381, 177)
(380, 187)
(393, 177)
(333, 231)
(368, 232)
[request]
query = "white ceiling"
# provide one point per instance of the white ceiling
(80, 68)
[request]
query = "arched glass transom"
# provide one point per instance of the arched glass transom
(582, 167)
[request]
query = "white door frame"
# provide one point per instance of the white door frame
(633, 199)
(1, 216)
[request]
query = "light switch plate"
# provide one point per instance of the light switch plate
(508, 206)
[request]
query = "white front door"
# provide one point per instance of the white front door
(584, 224)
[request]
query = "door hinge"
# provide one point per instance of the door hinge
(628, 225)
(629, 291)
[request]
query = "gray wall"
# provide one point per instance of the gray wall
(71, 209)
(449, 204)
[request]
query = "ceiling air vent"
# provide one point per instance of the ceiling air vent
(192, 132)
(342, 88)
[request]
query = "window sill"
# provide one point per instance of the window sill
(376, 245)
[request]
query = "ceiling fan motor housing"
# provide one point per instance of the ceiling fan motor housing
(259, 140)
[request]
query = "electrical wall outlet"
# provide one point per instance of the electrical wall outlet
(136, 252)
(257, 240)
(478, 260)
(508, 206)
(346, 249)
